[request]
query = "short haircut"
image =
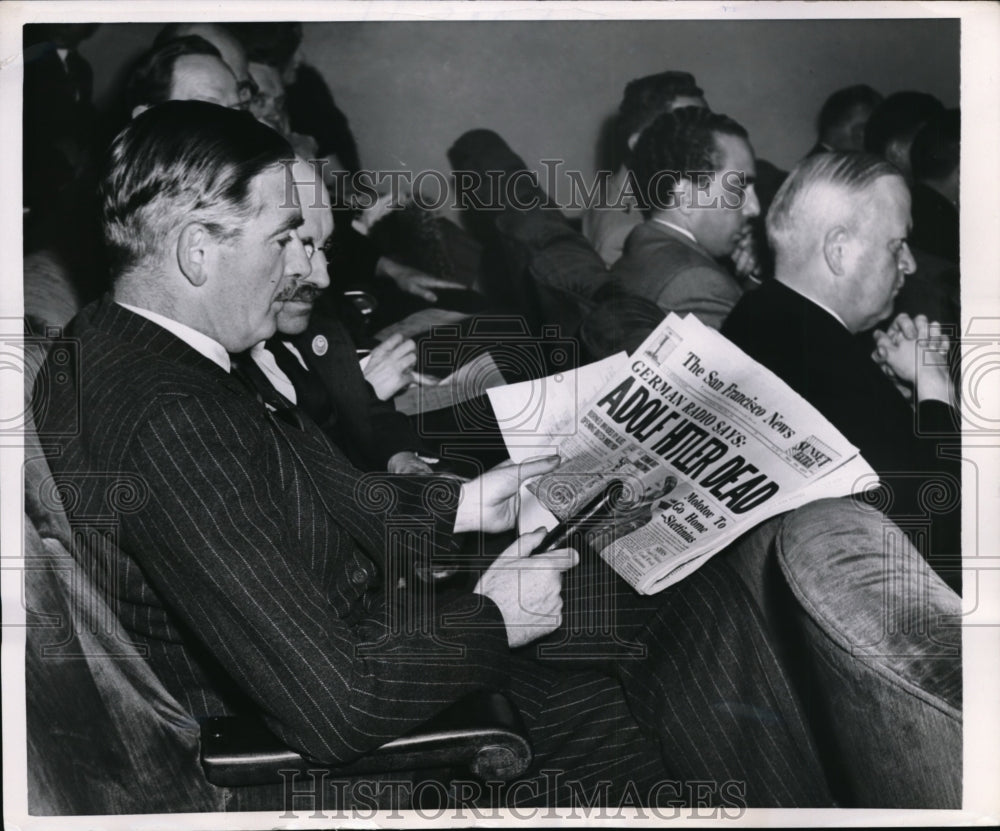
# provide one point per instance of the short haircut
(898, 118)
(152, 76)
(682, 142)
(179, 162)
(937, 147)
(839, 106)
(853, 173)
(646, 98)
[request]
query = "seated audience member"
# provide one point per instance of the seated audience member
(841, 121)
(59, 115)
(696, 171)
(230, 50)
(606, 227)
(839, 226)
(934, 158)
(187, 68)
(309, 103)
(895, 122)
(258, 574)
(311, 361)
(268, 105)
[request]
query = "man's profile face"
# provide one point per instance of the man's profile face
(268, 105)
(203, 78)
(883, 257)
(299, 297)
(723, 205)
(253, 270)
(850, 135)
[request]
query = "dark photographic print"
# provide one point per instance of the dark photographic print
(460, 414)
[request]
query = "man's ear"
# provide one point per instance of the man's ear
(835, 249)
(898, 152)
(683, 195)
(194, 247)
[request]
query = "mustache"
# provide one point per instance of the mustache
(300, 294)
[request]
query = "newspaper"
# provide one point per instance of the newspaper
(706, 442)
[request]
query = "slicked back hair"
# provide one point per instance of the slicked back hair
(181, 162)
(646, 98)
(852, 173)
(675, 146)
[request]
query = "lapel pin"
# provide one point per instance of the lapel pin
(320, 345)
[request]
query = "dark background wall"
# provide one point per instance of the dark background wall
(410, 88)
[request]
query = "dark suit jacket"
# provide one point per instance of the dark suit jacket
(248, 556)
(368, 430)
(676, 274)
(833, 370)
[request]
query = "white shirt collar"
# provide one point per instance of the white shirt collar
(269, 366)
(819, 303)
(684, 231)
(198, 341)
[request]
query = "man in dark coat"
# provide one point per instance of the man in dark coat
(839, 227)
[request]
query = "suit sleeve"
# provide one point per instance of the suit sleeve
(222, 541)
(705, 292)
(393, 431)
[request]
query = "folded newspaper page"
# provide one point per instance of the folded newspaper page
(706, 442)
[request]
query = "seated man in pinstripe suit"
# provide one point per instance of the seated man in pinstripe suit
(258, 567)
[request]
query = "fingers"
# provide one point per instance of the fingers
(538, 466)
(437, 283)
(388, 344)
(904, 325)
(562, 559)
(526, 543)
(424, 380)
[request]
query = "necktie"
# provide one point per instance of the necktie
(310, 391)
(246, 370)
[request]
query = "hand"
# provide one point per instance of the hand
(491, 501)
(376, 211)
(744, 256)
(528, 591)
(914, 351)
(408, 463)
(390, 367)
(413, 280)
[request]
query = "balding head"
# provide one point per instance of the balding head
(232, 51)
(838, 228)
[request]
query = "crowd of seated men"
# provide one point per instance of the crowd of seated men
(226, 365)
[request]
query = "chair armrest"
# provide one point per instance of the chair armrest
(481, 733)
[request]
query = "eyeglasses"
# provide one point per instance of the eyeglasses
(327, 248)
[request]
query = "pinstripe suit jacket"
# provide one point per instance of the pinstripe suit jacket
(247, 556)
